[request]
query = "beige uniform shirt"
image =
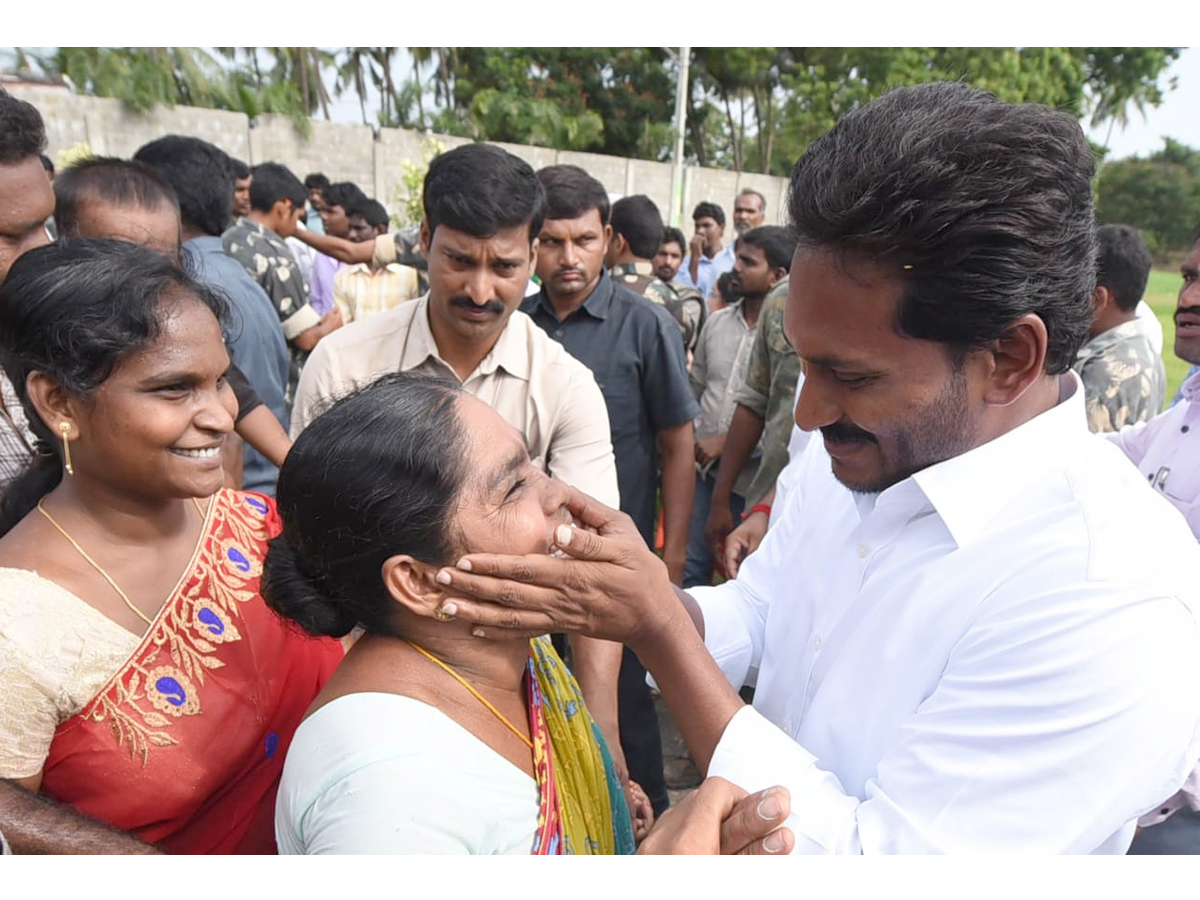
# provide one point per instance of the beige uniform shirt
(530, 380)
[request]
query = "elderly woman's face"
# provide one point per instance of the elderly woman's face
(506, 504)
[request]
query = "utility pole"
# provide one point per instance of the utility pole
(681, 83)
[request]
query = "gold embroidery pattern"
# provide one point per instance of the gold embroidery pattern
(162, 683)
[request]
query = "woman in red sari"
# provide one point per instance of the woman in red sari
(143, 682)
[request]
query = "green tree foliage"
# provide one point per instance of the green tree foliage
(607, 100)
(1160, 196)
(753, 109)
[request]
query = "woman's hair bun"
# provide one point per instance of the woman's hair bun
(295, 591)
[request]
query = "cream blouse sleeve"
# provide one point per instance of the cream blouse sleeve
(56, 653)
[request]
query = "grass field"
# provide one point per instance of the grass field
(1161, 294)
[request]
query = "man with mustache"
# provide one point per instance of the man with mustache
(974, 626)
(635, 349)
(483, 210)
(1166, 451)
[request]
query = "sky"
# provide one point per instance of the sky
(1178, 116)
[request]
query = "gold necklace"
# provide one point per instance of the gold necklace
(478, 696)
(95, 565)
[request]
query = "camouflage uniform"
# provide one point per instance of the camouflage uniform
(770, 390)
(687, 310)
(1124, 381)
(265, 256)
(403, 247)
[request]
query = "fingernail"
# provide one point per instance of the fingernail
(478, 632)
(768, 808)
(562, 535)
(465, 565)
(443, 578)
(450, 609)
(773, 842)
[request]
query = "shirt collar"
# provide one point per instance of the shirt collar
(1191, 388)
(596, 305)
(1115, 335)
(509, 353)
(968, 490)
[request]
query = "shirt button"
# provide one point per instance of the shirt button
(558, 333)
(1185, 428)
(817, 643)
(862, 550)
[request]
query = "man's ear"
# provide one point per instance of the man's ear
(1101, 299)
(411, 584)
(424, 238)
(1015, 360)
(777, 275)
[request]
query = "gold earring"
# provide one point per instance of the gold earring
(441, 615)
(65, 429)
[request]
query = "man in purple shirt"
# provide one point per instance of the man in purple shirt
(1167, 448)
(335, 205)
(1167, 451)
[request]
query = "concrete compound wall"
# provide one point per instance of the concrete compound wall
(346, 152)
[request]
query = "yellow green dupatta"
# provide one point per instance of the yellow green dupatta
(583, 807)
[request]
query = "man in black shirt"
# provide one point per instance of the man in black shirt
(635, 350)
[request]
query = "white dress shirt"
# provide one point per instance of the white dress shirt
(998, 654)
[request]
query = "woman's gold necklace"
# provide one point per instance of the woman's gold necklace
(478, 696)
(95, 565)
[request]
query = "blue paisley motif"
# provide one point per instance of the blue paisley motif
(212, 620)
(257, 505)
(172, 691)
(238, 559)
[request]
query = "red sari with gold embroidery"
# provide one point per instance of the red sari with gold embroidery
(184, 746)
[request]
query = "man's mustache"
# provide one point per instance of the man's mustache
(570, 270)
(464, 302)
(841, 433)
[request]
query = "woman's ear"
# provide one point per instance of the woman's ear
(411, 584)
(53, 405)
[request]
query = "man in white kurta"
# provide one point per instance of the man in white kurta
(984, 656)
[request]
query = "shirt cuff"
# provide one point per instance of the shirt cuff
(300, 321)
(754, 754)
(752, 400)
(385, 250)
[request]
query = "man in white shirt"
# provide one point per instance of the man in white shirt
(973, 627)
(483, 210)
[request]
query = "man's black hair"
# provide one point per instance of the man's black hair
(638, 220)
(777, 244)
(201, 175)
(239, 169)
(1123, 264)
(709, 210)
(22, 132)
(983, 208)
(373, 213)
(674, 235)
(274, 182)
(47, 164)
(480, 189)
(346, 194)
(110, 182)
(316, 180)
(571, 192)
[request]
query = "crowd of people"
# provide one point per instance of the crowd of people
(321, 536)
